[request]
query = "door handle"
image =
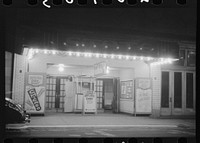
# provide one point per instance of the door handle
(170, 99)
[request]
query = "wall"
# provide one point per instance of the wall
(8, 74)
(126, 70)
(20, 67)
(39, 63)
(156, 82)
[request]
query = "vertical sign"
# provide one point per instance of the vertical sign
(89, 102)
(143, 93)
(35, 92)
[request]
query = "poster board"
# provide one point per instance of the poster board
(127, 89)
(143, 96)
(89, 102)
(35, 88)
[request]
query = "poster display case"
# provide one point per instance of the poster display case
(35, 87)
(127, 97)
(143, 95)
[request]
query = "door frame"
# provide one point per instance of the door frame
(57, 87)
(191, 111)
(178, 111)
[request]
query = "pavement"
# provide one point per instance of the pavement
(103, 120)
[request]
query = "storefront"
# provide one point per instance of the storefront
(121, 83)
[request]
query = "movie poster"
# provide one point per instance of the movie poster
(35, 84)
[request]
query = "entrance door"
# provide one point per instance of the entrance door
(55, 93)
(99, 93)
(108, 93)
(177, 92)
(69, 97)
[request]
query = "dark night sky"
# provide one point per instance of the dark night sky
(165, 20)
(177, 21)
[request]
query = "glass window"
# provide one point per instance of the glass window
(177, 90)
(189, 90)
(191, 58)
(165, 90)
(181, 60)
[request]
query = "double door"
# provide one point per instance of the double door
(177, 93)
(55, 93)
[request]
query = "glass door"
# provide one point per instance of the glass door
(190, 97)
(55, 93)
(177, 93)
(166, 99)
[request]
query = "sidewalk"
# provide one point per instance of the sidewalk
(106, 119)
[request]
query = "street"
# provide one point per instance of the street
(117, 131)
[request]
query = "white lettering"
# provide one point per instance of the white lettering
(44, 3)
(69, 1)
(144, 0)
(121, 1)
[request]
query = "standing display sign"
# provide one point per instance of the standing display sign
(89, 102)
(35, 84)
(143, 94)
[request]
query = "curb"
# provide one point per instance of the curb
(91, 126)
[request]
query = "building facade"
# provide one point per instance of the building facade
(114, 71)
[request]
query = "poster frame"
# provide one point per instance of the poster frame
(44, 84)
(135, 95)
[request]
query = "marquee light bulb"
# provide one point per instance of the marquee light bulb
(119, 56)
(97, 55)
(70, 53)
(89, 54)
(61, 69)
(77, 54)
(53, 52)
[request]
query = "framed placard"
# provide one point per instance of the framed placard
(143, 95)
(35, 88)
(127, 89)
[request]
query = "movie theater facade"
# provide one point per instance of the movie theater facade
(140, 75)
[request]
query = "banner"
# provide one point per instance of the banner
(35, 92)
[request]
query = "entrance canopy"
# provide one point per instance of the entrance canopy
(32, 52)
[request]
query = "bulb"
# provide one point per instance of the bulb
(61, 69)
(78, 54)
(53, 52)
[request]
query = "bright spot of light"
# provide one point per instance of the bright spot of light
(61, 69)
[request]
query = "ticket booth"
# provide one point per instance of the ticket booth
(82, 85)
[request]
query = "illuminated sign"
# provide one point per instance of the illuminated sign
(100, 68)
